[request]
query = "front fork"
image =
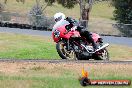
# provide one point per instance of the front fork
(68, 44)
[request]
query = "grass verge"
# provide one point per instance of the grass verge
(22, 46)
(15, 46)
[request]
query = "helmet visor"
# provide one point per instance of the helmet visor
(58, 19)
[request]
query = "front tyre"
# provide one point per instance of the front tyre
(64, 53)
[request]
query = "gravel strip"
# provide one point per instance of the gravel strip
(68, 61)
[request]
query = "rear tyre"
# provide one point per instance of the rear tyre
(64, 53)
(104, 55)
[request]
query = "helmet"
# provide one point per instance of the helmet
(59, 16)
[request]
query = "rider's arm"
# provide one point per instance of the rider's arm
(72, 22)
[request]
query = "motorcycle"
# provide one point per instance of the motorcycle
(70, 45)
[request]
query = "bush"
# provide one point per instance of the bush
(5, 16)
(38, 19)
(1, 7)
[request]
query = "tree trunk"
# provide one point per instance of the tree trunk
(5, 1)
(84, 12)
(85, 17)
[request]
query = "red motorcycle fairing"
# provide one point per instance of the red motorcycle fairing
(64, 34)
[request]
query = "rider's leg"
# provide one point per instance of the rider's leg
(88, 36)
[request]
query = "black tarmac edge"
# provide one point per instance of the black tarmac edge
(69, 61)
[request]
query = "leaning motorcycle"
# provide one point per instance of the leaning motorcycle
(70, 45)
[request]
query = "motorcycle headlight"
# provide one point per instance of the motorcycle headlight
(56, 33)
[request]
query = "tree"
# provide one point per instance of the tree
(23, 1)
(123, 11)
(85, 7)
(123, 15)
(1, 7)
(5, 1)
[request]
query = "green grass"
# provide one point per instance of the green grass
(16, 46)
(23, 47)
(40, 82)
(46, 82)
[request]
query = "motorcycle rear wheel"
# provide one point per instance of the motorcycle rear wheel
(104, 56)
(64, 53)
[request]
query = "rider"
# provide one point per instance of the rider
(59, 17)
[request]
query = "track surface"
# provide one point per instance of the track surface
(108, 39)
(68, 61)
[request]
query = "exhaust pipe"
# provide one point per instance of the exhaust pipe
(102, 47)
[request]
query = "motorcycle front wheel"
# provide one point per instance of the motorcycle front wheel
(64, 53)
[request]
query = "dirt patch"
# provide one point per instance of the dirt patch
(95, 69)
